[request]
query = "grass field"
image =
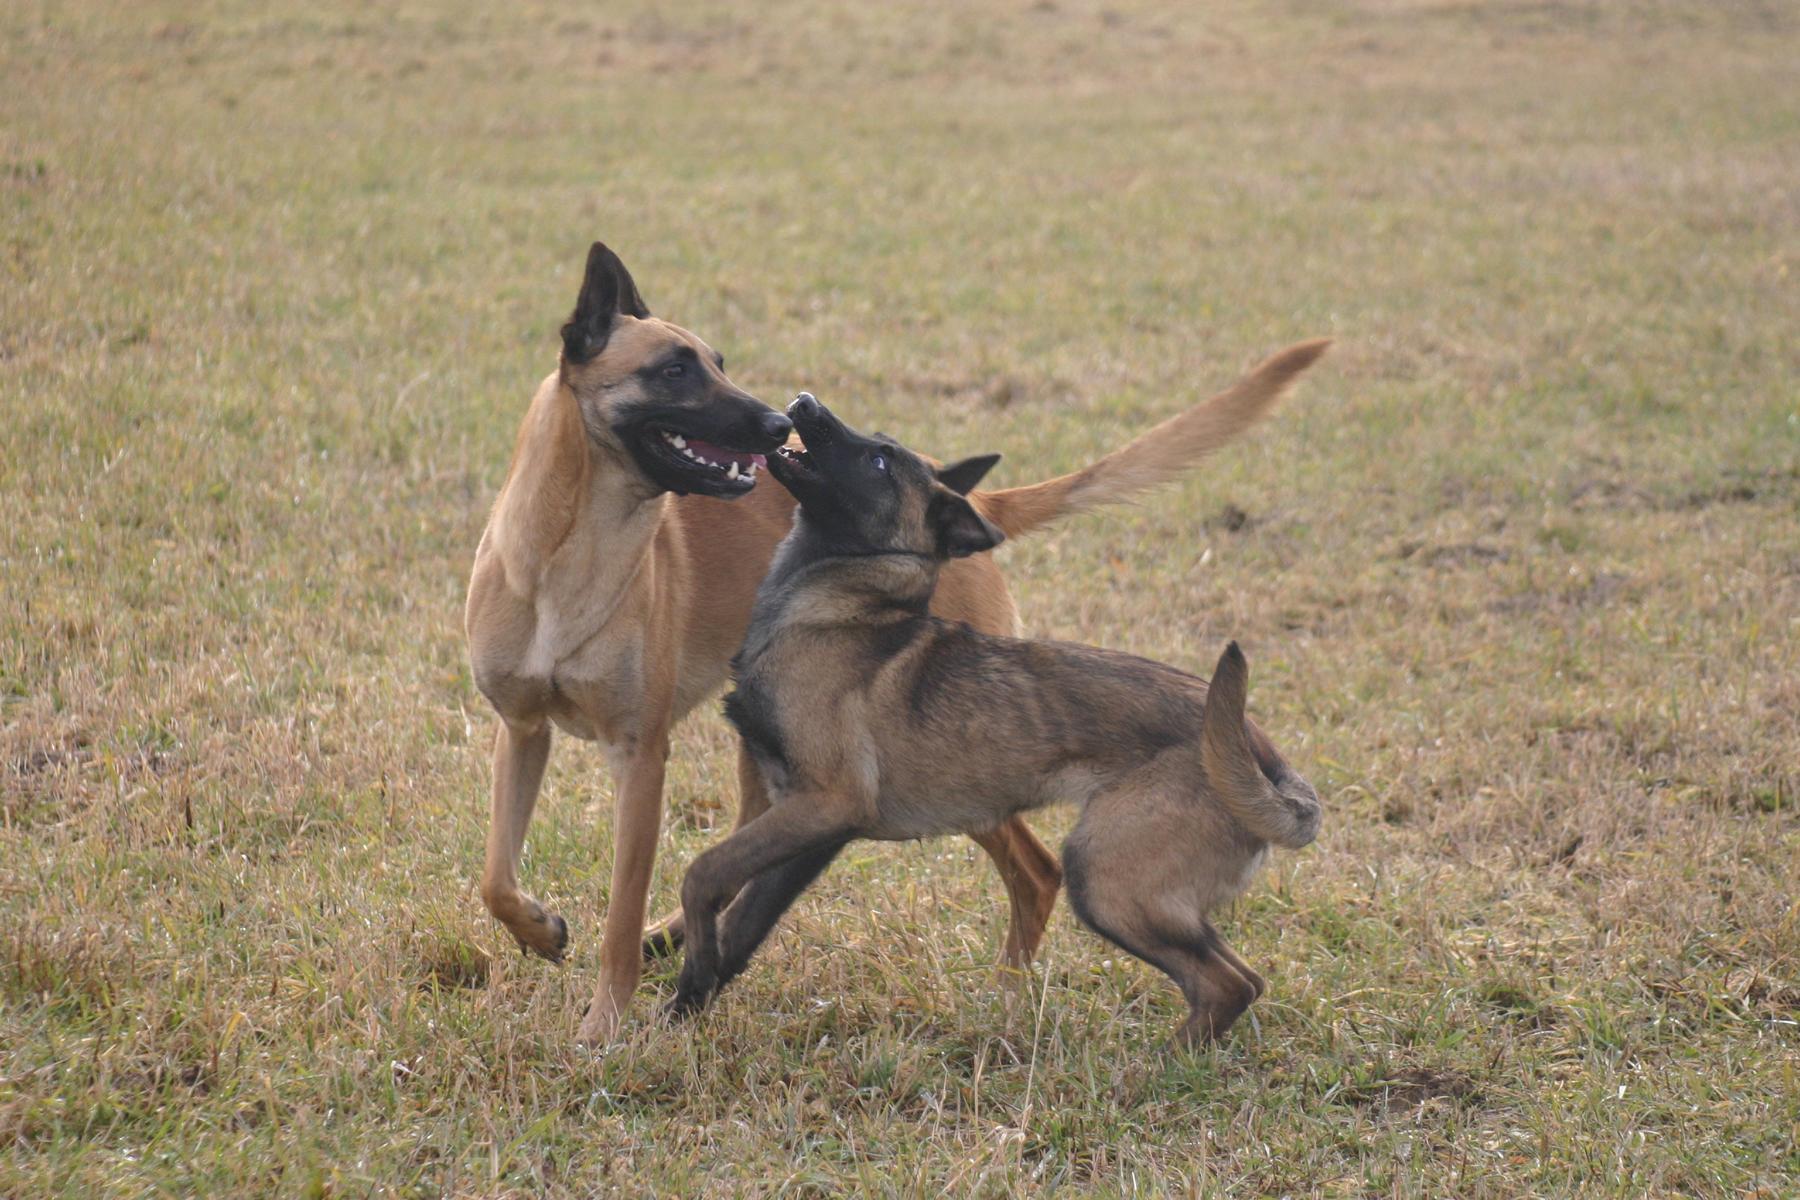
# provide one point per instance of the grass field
(1518, 573)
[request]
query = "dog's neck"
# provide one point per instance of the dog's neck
(565, 492)
(813, 583)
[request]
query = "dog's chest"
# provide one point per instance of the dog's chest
(798, 718)
(598, 692)
(567, 637)
(751, 711)
(590, 682)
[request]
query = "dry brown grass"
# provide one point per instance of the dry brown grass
(1518, 575)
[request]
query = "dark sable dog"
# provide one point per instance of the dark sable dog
(870, 718)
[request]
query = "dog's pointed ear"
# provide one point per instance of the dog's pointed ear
(961, 477)
(607, 290)
(961, 531)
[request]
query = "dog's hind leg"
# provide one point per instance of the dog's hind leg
(637, 819)
(665, 936)
(520, 753)
(1250, 973)
(1216, 994)
(1107, 891)
(1032, 877)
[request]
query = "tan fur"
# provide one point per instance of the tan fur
(1158, 455)
(602, 607)
(608, 610)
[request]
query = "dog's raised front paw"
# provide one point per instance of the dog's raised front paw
(547, 938)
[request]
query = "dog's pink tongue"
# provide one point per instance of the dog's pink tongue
(722, 456)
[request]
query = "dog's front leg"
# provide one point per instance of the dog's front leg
(761, 904)
(802, 828)
(520, 752)
(665, 937)
(637, 819)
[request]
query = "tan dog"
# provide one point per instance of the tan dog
(604, 605)
(870, 718)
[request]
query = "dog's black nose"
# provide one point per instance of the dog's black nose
(804, 405)
(776, 427)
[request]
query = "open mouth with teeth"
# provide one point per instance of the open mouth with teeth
(795, 456)
(793, 467)
(709, 466)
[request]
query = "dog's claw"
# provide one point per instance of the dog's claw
(559, 941)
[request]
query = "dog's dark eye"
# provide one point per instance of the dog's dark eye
(878, 461)
(674, 371)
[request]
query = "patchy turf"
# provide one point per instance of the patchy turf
(1518, 573)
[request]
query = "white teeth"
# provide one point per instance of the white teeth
(731, 470)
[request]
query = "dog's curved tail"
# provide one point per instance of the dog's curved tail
(1260, 790)
(1156, 456)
